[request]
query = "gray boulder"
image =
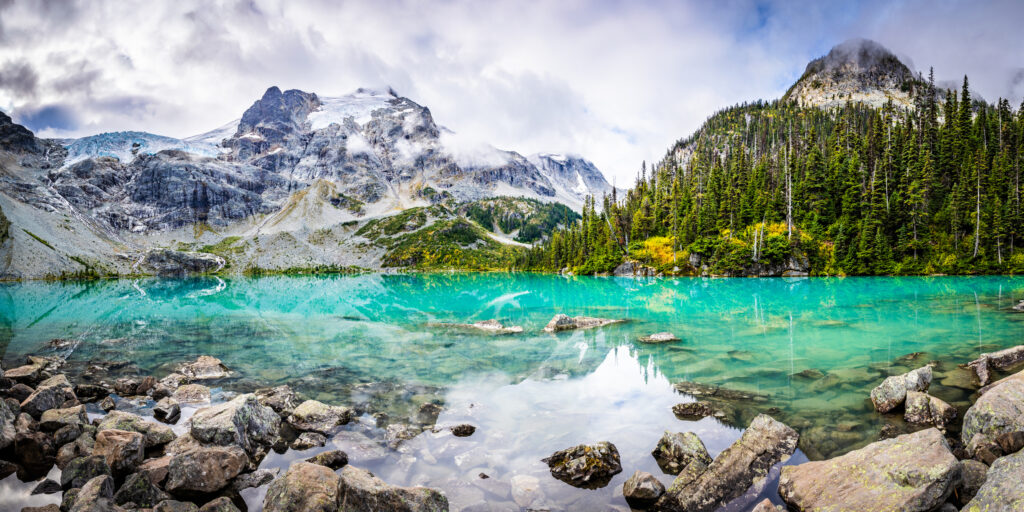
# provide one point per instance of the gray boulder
(49, 394)
(155, 434)
(81, 470)
(204, 469)
(205, 368)
(562, 322)
(912, 472)
(123, 450)
(587, 466)
(1002, 490)
(675, 451)
(54, 419)
(764, 444)
(1000, 360)
(7, 430)
(139, 489)
(281, 399)
(1000, 410)
(96, 495)
(242, 422)
(893, 390)
(363, 492)
(642, 489)
(972, 477)
(167, 410)
(313, 416)
(924, 409)
(304, 487)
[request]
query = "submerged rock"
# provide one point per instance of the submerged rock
(912, 472)
(400, 432)
(205, 368)
(314, 416)
(491, 326)
(304, 487)
(566, 323)
(587, 466)
(659, 337)
(694, 410)
(1002, 489)
(525, 490)
(676, 450)
(642, 490)
(363, 492)
(428, 413)
(924, 409)
(1000, 360)
(764, 444)
(999, 410)
(891, 393)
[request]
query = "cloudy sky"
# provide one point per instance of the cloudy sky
(614, 81)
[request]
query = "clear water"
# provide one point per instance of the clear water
(810, 349)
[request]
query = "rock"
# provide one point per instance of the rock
(973, 474)
(126, 386)
(984, 449)
(7, 469)
(35, 369)
(996, 360)
(175, 506)
(308, 440)
(304, 487)
(222, 504)
(491, 326)
(107, 404)
(632, 268)
(363, 492)
(675, 451)
(766, 506)
(924, 409)
(90, 392)
(1019, 306)
(659, 337)
(7, 429)
(586, 466)
(123, 450)
(96, 496)
(46, 487)
(242, 422)
(428, 413)
(257, 478)
(168, 263)
(155, 434)
(913, 472)
(205, 469)
(764, 444)
(281, 399)
(52, 507)
(50, 394)
(463, 430)
(146, 384)
(204, 368)
(156, 469)
(81, 470)
(66, 434)
(334, 459)
(19, 392)
(525, 490)
(313, 416)
(34, 452)
(999, 410)
(191, 394)
(140, 490)
(692, 411)
(399, 432)
(54, 419)
(642, 490)
(167, 410)
(893, 390)
(1002, 489)
(566, 323)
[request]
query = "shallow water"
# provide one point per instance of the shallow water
(809, 349)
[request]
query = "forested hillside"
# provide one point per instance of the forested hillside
(850, 190)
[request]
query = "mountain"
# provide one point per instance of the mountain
(296, 169)
(811, 185)
(857, 70)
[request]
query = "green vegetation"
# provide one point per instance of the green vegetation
(531, 219)
(314, 270)
(40, 240)
(852, 191)
(351, 204)
(452, 243)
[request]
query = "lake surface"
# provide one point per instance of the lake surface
(808, 351)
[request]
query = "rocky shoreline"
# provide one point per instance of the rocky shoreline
(110, 459)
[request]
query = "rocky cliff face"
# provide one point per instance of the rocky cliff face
(857, 70)
(369, 154)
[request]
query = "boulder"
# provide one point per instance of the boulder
(586, 466)
(168, 263)
(334, 459)
(156, 469)
(140, 490)
(764, 444)
(924, 409)
(525, 490)
(167, 410)
(81, 470)
(242, 422)
(642, 490)
(363, 492)
(96, 495)
(126, 386)
(222, 504)
(1002, 490)
(49, 394)
(912, 472)
(46, 487)
(54, 419)
(36, 369)
(281, 399)
(675, 451)
(428, 413)
(191, 394)
(692, 411)
(999, 410)
(204, 368)
(463, 430)
(204, 469)
(313, 416)
(397, 433)
(67, 434)
(562, 322)
(308, 440)
(1000, 360)
(891, 393)
(304, 487)
(491, 326)
(123, 450)
(766, 506)
(630, 268)
(972, 477)
(155, 434)
(34, 452)
(175, 506)
(257, 478)
(659, 337)
(7, 429)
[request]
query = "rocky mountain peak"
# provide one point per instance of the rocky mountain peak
(15, 137)
(858, 70)
(278, 113)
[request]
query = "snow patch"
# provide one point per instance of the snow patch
(216, 135)
(358, 105)
(125, 146)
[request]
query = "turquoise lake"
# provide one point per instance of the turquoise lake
(807, 351)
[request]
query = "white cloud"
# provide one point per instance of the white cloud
(614, 81)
